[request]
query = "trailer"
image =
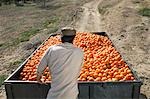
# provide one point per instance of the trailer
(18, 89)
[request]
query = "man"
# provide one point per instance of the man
(64, 62)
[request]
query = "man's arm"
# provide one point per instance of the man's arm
(42, 65)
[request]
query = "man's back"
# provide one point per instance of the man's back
(64, 61)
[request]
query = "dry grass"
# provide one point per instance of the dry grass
(2, 78)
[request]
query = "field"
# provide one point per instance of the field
(127, 22)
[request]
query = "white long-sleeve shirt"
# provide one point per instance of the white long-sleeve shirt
(64, 62)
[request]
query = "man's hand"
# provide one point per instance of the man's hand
(39, 80)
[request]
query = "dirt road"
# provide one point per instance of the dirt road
(90, 17)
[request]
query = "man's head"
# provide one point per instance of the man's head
(68, 34)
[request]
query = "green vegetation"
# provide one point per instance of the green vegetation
(2, 78)
(136, 1)
(15, 63)
(4, 45)
(145, 12)
(24, 36)
(52, 25)
(52, 22)
(1, 45)
(102, 10)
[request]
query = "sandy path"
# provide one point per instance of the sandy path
(90, 18)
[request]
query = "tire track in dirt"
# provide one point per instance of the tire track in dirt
(90, 18)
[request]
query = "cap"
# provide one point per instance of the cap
(68, 31)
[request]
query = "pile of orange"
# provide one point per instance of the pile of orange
(30, 69)
(102, 62)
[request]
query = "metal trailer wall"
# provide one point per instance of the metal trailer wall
(17, 89)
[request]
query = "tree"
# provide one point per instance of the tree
(17, 2)
(6, 1)
(44, 3)
(0, 2)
